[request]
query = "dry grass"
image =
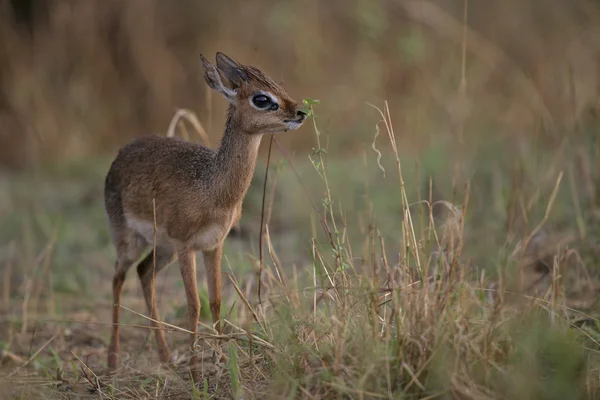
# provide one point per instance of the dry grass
(454, 255)
(429, 325)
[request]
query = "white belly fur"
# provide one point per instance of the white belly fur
(146, 230)
(206, 239)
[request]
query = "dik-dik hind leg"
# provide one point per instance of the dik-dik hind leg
(129, 248)
(147, 270)
(212, 263)
(187, 263)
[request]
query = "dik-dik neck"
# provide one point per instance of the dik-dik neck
(234, 163)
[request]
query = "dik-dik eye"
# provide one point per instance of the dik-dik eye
(264, 102)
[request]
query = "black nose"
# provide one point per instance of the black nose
(301, 114)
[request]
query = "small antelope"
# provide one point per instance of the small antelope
(194, 193)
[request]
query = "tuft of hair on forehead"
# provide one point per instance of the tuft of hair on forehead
(258, 77)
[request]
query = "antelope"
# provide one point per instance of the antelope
(178, 197)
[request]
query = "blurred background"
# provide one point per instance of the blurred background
(500, 95)
(494, 105)
(80, 78)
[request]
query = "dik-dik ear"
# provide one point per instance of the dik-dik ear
(213, 78)
(232, 70)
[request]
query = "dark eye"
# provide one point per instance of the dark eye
(261, 101)
(264, 102)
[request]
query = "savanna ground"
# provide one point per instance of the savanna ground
(432, 233)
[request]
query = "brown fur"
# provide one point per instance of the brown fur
(195, 193)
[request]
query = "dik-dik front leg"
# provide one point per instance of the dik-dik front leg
(187, 263)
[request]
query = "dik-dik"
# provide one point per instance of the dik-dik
(192, 192)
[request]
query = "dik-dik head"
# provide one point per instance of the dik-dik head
(258, 105)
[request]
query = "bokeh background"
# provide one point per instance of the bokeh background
(80, 78)
(494, 105)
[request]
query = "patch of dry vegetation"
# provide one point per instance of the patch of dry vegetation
(479, 284)
(355, 325)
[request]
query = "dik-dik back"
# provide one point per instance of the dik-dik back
(166, 177)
